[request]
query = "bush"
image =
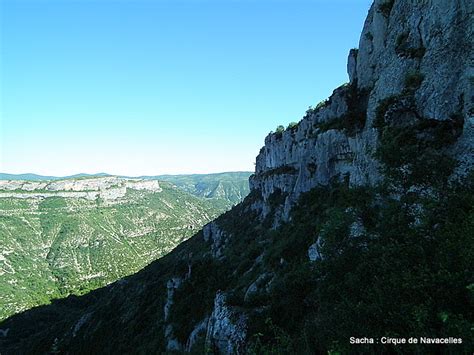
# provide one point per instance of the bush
(382, 108)
(354, 120)
(403, 48)
(413, 80)
(322, 104)
(386, 7)
(280, 129)
(292, 125)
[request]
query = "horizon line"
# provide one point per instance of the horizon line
(102, 174)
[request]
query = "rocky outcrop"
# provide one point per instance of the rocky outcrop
(419, 35)
(199, 331)
(172, 343)
(217, 237)
(80, 323)
(314, 252)
(414, 65)
(261, 284)
(107, 188)
(402, 41)
(318, 150)
(171, 286)
(227, 329)
(432, 38)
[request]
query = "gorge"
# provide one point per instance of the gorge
(359, 223)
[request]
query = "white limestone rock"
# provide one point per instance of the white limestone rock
(212, 233)
(227, 328)
(432, 38)
(198, 332)
(314, 252)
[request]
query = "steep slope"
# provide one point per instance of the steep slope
(227, 189)
(70, 236)
(360, 223)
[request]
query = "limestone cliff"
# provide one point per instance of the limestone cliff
(111, 189)
(402, 41)
(353, 221)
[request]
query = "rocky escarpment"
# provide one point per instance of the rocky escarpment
(413, 69)
(351, 228)
(109, 188)
(412, 50)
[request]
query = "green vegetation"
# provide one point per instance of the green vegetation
(394, 277)
(403, 48)
(414, 155)
(187, 313)
(401, 40)
(386, 7)
(382, 108)
(280, 129)
(312, 110)
(413, 80)
(292, 126)
(56, 246)
(223, 189)
(408, 270)
(283, 169)
(413, 149)
(354, 120)
(401, 102)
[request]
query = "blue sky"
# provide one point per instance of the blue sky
(166, 86)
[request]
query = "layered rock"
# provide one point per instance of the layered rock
(401, 41)
(107, 188)
(413, 65)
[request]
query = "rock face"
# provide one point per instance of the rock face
(419, 35)
(172, 343)
(414, 65)
(301, 158)
(212, 233)
(314, 251)
(108, 188)
(226, 330)
(401, 40)
(171, 286)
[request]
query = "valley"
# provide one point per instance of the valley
(357, 232)
(70, 236)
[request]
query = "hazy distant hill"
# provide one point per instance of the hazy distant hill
(36, 177)
(30, 177)
(231, 187)
(70, 236)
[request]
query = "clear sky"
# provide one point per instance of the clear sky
(148, 87)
